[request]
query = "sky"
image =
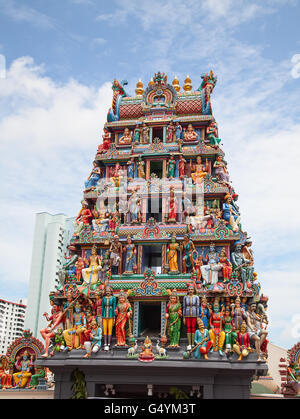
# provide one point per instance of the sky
(57, 62)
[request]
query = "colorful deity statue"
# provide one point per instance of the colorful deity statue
(190, 134)
(117, 175)
(74, 337)
(257, 332)
(147, 355)
(5, 377)
(170, 132)
(90, 275)
(56, 322)
(226, 265)
(141, 168)
(79, 265)
(106, 142)
(210, 271)
(68, 267)
(97, 307)
(145, 134)
(131, 168)
(115, 255)
(173, 318)
(126, 138)
(171, 167)
(105, 268)
(123, 313)
(230, 334)
(172, 207)
(137, 134)
(204, 312)
(248, 254)
(172, 256)
(59, 342)
(109, 303)
(39, 372)
(101, 217)
(178, 130)
(240, 264)
(230, 214)
(22, 377)
(221, 172)
(216, 331)
(202, 341)
(134, 207)
(199, 170)
(69, 310)
(130, 257)
(94, 177)
(188, 249)
(238, 314)
(191, 305)
(181, 166)
(212, 134)
(83, 219)
(242, 345)
(94, 344)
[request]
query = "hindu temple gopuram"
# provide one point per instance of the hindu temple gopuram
(158, 295)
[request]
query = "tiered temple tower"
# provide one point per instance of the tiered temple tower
(159, 220)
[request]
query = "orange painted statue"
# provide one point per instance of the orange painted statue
(5, 377)
(123, 313)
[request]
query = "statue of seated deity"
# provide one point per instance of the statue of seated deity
(190, 134)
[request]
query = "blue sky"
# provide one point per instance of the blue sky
(61, 57)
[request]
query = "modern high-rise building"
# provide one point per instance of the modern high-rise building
(51, 236)
(12, 316)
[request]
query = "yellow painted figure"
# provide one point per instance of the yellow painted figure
(172, 255)
(21, 378)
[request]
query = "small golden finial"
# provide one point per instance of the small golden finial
(139, 88)
(151, 82)
(187, 87)
(176, 84)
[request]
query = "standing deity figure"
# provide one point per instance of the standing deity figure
(202, 341)
(56, 322)
(97, 307)
(74, 337)
(130, 256)
(188, 249)
(170, 132)
(240, 264)
(134, 207)
(191, 305)
(230, 334)
(22, 377)
(106, 142)
(83, 218)
(171, 167)
(181, 166)
(172, 256)
(109, 303)
(256, 331)
(68, 267)
(190, 134)
(212, 134)
(145, 134)
(126, 137)
(93, 177)
(230, 214)
(137, 135)
(172, 207)
(100, 221)
(188, 207)
(131, 168)
(123, 313)
(216, 332)
(115, 255)
(117, 175)
(105, 268)
(210, 271)
(141, 168)
(221, 172)
(204, 312)
(248, 254)
(178, 131)
(90, 275)
(242, 344)
(79, 265)
(94, 344)
(173, 319)
(69, 310)
(199, 170)
(226, 265)
(238, 314)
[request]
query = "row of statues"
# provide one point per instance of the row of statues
(174, 133)
(212, 325)
(180, 169)
(210, 268)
